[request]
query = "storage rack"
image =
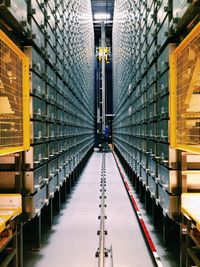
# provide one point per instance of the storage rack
(190, 237)
(10, 209)
(57, 36)
(14, 119)
(144, 36)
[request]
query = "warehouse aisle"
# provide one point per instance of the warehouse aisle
(129, 248)
(73, 240)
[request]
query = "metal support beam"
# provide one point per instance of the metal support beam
(103, 45)
(98, 78)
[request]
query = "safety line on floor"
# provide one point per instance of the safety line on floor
(141, 221)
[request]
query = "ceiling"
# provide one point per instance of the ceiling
(99, 6)
(103, 6)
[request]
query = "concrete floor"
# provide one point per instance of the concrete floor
(73, 241)
(129, 247)
(169, 256)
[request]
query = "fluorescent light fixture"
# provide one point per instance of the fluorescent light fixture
(99, 21)
(101, 16)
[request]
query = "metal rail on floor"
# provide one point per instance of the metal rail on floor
(102, 251)
(103, 216)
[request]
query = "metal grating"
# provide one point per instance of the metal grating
(185, 93)
(14, 98)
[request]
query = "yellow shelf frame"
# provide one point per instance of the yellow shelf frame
(11, 210)
(191, 206)
(173, 92)
(26, 98)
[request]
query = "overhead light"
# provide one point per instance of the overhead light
(101, 16)
(99, 21)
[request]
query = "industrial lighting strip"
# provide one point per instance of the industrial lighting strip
(102, 251)
(145, 231)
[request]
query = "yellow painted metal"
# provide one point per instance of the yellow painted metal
(190, 206)
(10, 207)
(185, 94)
(14, 98)
(106, 52)
(2, 224)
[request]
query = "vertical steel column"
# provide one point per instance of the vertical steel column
(98, 96)
(103, 45)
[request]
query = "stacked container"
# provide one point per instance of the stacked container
(142, 35)
(59, 42)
